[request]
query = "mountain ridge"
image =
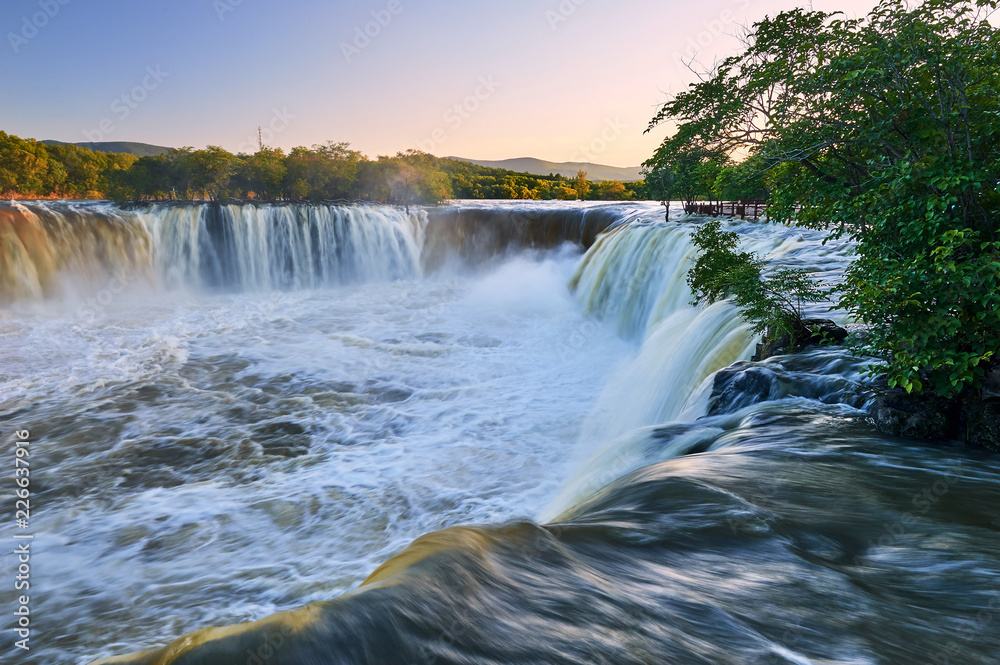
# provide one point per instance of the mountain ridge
(536, 166)
(530, 165)
(130, 147)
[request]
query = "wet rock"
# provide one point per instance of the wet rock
(740, 386)
(823, 331)
(811, 332)
(981, 421)
(774, 346)
(830, 375)
(919, 416)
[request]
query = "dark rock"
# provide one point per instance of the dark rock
(981, 421)
(821, 331)
(740, 386)
(281, 429)
(918, 415)
(773, 346)
(810, 332)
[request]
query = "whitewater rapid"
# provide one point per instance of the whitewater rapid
(241, 410)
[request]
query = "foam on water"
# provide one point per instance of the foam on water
(224, 453)
(417, 405)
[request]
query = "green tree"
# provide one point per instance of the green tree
(415, 177)
(326, 172)
(263, 173)
(685, 173)
(884, 129)
(26, 169)
(582, 184)
(741, 182)
(771, 303)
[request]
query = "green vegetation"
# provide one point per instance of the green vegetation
(885, 129)
(129, 147)
(32, 169)
(330, 172)
(471, 181)
(698, 174)
(772, 303)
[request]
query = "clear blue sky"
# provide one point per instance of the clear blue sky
(555, 79)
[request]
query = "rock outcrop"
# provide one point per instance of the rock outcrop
(810, 332)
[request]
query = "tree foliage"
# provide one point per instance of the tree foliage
(327, 172)
(684, 175)
(885, 129)
(30, 168)
(770, 302)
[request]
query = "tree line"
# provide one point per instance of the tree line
(32, 169)
(327, 172)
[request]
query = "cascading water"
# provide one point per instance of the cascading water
(260, 248)
(295, 395)
(284, 247)
(42, 244)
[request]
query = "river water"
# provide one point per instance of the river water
(241, 411)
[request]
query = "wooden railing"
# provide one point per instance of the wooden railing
(752, 209)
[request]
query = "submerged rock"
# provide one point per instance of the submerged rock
(283, 439)
(831, 376)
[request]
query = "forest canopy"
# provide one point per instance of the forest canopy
(327, 172)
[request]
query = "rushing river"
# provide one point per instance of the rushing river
(237, 412)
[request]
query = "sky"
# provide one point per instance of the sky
(560, 80)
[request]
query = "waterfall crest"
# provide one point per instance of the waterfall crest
(45, 246)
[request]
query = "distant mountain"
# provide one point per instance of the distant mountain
(137, 149)
(566, 169)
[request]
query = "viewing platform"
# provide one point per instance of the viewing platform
(749, 209)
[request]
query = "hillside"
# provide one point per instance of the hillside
(534, 166)
(137, 149)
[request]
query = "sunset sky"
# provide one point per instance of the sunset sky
(562, 80)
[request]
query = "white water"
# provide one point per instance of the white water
(636, 277)
(429, 401)
(289, 247)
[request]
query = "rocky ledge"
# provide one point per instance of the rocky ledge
(973, 417)
(809, 332)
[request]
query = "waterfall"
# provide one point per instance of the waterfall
(47, 247)
(635, 278)
(253, 248)
(41, 244)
